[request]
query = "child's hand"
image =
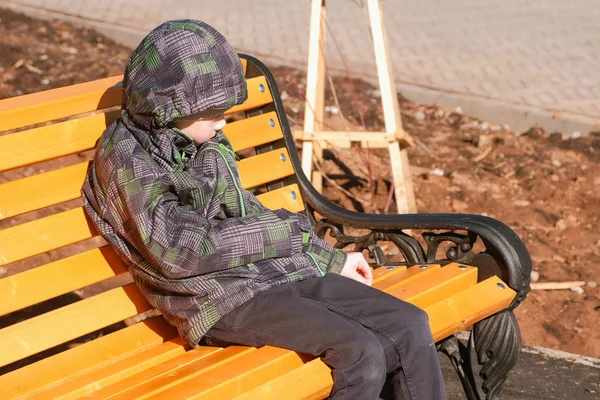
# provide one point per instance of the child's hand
(357, 268)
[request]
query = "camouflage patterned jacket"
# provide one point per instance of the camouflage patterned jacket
(195, 242)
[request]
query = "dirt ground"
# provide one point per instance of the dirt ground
(544, 185)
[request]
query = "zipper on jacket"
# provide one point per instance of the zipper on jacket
(316, 263)
(237, 188)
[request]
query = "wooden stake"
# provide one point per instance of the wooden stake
(394, 137)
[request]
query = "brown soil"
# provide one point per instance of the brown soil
(544, 187)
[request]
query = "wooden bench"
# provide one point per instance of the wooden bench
(55, 343)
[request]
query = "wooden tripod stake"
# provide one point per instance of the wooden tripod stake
(394, 137)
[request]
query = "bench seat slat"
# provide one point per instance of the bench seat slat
(227, 380)
(215, 354)
(56, 327)
(87, 357)
(404, 277)
(310, 381)
(49, 105)
(437, 286)
(191, 370)
(31, 287)
(114, 372)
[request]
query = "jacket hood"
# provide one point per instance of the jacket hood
(182, 68)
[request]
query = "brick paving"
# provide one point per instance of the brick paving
(543, 53)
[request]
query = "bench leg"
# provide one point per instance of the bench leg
(483, 364)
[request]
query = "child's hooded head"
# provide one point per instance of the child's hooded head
(183, 68)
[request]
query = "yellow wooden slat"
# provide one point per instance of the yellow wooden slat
(254, 131)
(258, 95)
(311, 381)
(382, 273)
(234, 377)
(31, 287)
(165, 368)
(87, 357)
(102, 377)
(53, 104)
(49, 105)
(154, 383)
(24, 195)
(287, 197)
(45, 234)
(468, 307)
(265, 167)
(437, 286)
(52, 141)
(404, 277)
(56, 327)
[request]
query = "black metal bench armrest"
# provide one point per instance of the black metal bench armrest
(500, 241)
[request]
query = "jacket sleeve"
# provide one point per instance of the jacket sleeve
(330, 259)
(181, 241)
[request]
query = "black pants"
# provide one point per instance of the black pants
(366, 336)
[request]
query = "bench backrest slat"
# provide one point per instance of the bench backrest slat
(69, 322)
(32, 287)
(54, 104)
(50, 105)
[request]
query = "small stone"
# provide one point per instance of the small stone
(495, 128)
(561, 224)
(484, 126)
(284, 95)
(437, 172)
(3, 271)
(458, 110)
(484, 141)
(295, 110)
(577, 289)
(459, 206)
(440, 113)
(554, 178)
(592, 284)
(535, 276)
(43, 57)
(419, 115)
(333, 110)
(45, 81)
(73, 50)
(565, 136)
(558, 258)
(375, 93)
(29, 171)
(576, 135)
(556, 163)
(506, 127)
(521, 203)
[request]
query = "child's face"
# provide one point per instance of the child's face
(201, 130)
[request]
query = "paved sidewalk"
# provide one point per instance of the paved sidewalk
(541, 374)
(540, 58)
